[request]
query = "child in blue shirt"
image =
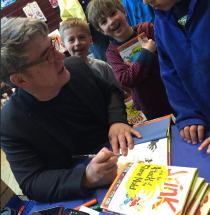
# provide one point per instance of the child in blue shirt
(182, 38)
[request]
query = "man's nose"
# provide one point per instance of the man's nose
(59, 56)
(77, 41)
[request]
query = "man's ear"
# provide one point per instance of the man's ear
(19, 80)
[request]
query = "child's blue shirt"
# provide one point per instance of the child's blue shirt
(185, 62)
(138, 12)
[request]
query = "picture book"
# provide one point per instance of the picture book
(201, 197)
(130, 50)
(33, 10)
(154, 152)
(199, 184)
(204, 206)
(154, 130)
(150, 189)
(133, 116)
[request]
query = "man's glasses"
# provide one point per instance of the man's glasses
(50, 56)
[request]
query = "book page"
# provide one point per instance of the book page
(154, 152)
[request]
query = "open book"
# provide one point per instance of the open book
(154, 152)
(130, 50)
(150, 189)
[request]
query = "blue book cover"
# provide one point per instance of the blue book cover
(153, 129)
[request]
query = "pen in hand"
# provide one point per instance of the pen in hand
(89, 156)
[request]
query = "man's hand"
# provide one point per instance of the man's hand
(150, 45)
(101, 170)
(189, 133)
(122, 133)
(204, 144)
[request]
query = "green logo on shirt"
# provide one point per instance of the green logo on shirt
(183, 20)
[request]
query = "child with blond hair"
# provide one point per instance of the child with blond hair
(143, 77)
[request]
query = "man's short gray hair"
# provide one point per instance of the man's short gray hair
(16, 33)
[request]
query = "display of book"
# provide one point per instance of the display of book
(131, 50)
(150, 189)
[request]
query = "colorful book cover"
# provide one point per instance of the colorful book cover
(33, 10)
(204, 206)
(199, 185)
(134, 116)
(56, 33)
(154, 152)
(132, 49)
(192, 210)
(150, 189)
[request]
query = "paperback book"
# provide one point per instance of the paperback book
(130, 50)
(134, 116)
(150, 189)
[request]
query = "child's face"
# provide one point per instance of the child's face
(77, 41)
(161, 4)
(115, 25)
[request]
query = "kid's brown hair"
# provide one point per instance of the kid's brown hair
(72, 22)
(96, 9)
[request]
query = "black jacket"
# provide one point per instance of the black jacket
(38, 149)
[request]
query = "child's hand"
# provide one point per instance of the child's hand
(128, 63)
(204, 144)
(150, 45)
(190, 133)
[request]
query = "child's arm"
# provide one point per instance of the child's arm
(131, 76)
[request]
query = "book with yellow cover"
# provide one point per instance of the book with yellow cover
(134, 116)
(131, 50)
(150, 189)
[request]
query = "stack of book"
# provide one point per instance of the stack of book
(147, 184)
(157, 189)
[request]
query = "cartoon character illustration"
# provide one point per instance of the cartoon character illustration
(152, 146)
(138, 202)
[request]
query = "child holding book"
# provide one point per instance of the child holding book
(75, 35)
(143, 77)
(183, 44)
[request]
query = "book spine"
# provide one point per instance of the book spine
(190, 191)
